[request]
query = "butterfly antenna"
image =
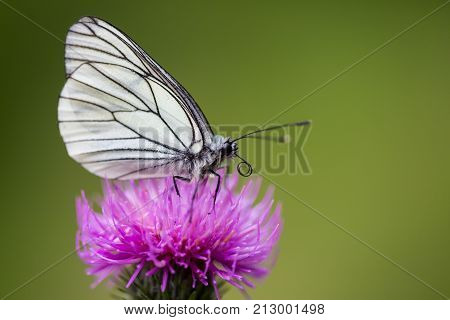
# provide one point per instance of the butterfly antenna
(295, 124)
(282, 139)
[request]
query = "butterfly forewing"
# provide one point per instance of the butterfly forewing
(94, 40)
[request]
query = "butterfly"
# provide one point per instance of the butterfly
(122, 116)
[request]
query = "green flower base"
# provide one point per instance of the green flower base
(179, 287)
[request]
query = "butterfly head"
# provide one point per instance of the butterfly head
(229, 149)
(224, 149)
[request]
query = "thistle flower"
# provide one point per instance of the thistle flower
(145, 237)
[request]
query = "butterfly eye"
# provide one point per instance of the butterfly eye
(228, 149)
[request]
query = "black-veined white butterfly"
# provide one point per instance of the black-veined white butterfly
(122, 116)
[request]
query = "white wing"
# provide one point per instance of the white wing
(94, 40)
(121, 125)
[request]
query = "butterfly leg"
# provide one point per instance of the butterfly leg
(226, 173)
(175, 182)
(197, 183)
(217, 188)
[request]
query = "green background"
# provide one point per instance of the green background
(379, 147)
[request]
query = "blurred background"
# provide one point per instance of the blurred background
(378, 149)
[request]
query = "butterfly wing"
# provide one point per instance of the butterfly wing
(121, 125)
(94, 40)
(121, 115)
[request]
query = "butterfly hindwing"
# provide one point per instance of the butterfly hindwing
(115, 121)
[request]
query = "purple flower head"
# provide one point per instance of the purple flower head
(145, 224)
